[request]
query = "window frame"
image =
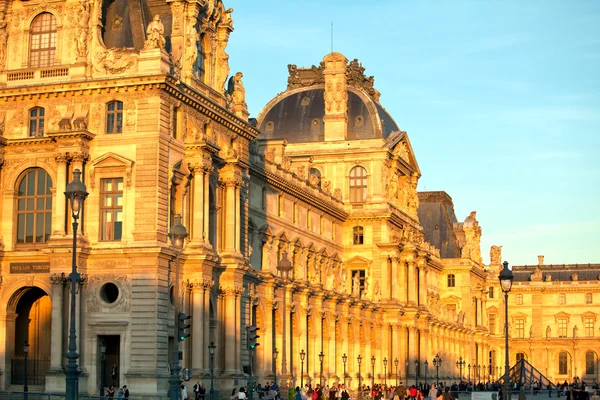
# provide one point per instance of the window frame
(358, 184)
(589, 326)
(451, 280)
(492, 319)
(113, 117)
(362, 275)
(35, 211)
(562, 299)
(38, 120)
(563, 324)
(519, 299)
(563, 363)
(49, 32)
(589, 298)
(590, 363)
(491, 292)
(358, 235)
(114, 209)
(520, 328)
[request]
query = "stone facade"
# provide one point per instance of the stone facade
(147, 109)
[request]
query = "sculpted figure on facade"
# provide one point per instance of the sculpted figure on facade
(548, 332)
(340, 96)
(329, 97)
(83, 22)
(193, 37)
(3, 40)
(355, 285)
(496, 255)
(413, 197)
(365, 293)
(343, 281)
(329, 283)
(236, 89)
(575, 331)
(376, 292)
(155, 34)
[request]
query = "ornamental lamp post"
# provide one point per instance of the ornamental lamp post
(437, 363)
(373, 376)
(506, 280)
(417, 374)
(359, 360)
(344, 359)
(284, 266)
(321, 357)
(396, 362)
(275, 354)
(177, 235)
(385, 371)
(76, 193)
(103, 368)
(426, 368)
(460, 364)
(302, 355)
(211, 352)
(26, 386)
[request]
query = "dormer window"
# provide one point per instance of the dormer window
(42, 41)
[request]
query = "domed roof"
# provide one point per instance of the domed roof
(298, 113)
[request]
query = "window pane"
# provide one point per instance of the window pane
(21, 228)
(39, 227)
(29, 228)
(48, 227)
(30, 184)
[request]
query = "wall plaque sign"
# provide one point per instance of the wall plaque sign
(29, 268)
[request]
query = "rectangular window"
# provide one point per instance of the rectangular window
(451, 280)
(562, 327)
(520, 325)
(114, 117)
(111, 209)
(358, 235)
(361, 279)
(519, 299)
(562, 363)
(589, 327)
(562, 299)
(588, 298)
(491, 292)
(492, 323)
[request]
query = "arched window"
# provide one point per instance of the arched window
(590, 363)
(358, 185)
(34, 207)
(36, 122)
(114, 117)
(42, 41)
(357, 235)
(563, 363)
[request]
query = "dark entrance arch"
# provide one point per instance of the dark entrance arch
(32, 308)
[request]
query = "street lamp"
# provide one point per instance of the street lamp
(373, 376)
(426, 367)
(102, 367)
(321, 357)
(177, 235)
(302, 355)
(417, 374)
(25, 386)
(76, 193)
(359, 360)
(437, 363)
(211, 351)
(284, 266)
(506, 280)
(406, 372)
(396, 362)
(344, 359)
(469, 371)
(385, 371)
(460, 364)
(275, 354)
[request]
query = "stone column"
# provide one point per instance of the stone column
(395, 261)
(403, 351)
(412, 350)
(402, 279)
(56, 350)
(422, 286)
(198, 234)
(232, 179)
(60, 201)
(230, 320)
(198, 321)
(412, 283)
(395, 351)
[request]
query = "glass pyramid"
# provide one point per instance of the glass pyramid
(525, 375)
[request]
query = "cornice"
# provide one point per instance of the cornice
(288, 187)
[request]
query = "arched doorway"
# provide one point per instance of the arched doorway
(31, 312)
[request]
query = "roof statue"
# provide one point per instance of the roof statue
(496, 255)
(155, 34)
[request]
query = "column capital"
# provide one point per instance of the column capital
(58, 279)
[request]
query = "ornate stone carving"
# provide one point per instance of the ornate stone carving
(155, 34)
(115, 60)
(58, 279)
(496, 255)
(83, 22)
(355, 76)
(305, 76)
(191, 53)
(236, 90)
(536, 276)
(94, 303)
(3, 40)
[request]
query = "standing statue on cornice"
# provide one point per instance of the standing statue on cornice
(155, 34)
(192, 48)
(236, 89)
(355, 285)
(83, 21)
(496, 255)
(3, 40)
(365, 292)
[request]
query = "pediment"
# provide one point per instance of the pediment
(400, 146)
(492, 309)
(357, 260)
(519, 315)
(284, 238)
(111, 160)
(588, 314)
(562, 315)
(450, 298)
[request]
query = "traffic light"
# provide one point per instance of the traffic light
(183, 325)
(252, 337)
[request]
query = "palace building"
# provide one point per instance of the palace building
(138, 95)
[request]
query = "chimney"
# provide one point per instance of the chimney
(540, 260)
(336, 97)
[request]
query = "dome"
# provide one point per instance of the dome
(298, 114)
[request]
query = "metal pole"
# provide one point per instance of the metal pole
(437, 375)
(359, 382)
(25, 386)
(283, 330)
(72, 371)
(506, 366)
(102, 374)
(174, 391)
(211, 350)
(301, 374)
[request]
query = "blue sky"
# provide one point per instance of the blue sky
(501, 101)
